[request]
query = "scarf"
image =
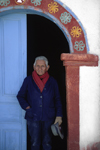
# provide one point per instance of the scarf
(40, 80)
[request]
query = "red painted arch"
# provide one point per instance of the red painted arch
(59, 13)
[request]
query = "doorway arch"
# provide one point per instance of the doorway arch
(57, 50)
(57, 12)
(48, 40)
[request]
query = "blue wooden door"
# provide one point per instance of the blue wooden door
(12, 72)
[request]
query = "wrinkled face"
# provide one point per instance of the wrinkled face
(40, 67)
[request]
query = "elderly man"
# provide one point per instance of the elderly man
(39, 97)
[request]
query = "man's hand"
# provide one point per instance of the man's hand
(59, 120)
(28, 107)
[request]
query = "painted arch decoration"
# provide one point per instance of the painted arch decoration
(60, 14)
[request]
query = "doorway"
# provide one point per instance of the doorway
(45, 38)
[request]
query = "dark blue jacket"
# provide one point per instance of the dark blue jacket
(45, 105)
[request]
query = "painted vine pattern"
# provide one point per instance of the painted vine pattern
(65, 18)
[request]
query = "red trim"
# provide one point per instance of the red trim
(72, 62)
(72, 82)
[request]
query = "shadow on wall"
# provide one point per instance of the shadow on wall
(45, 38)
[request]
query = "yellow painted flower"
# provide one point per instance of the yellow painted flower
(76, 31)
(53, 7)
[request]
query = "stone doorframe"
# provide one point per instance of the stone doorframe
(75, 34)
(72, 63)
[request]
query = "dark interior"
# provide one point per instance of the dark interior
(45, 38)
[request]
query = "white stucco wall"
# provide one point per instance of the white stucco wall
(89, 106)
(88, 12)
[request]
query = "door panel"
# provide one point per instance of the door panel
(12, 72)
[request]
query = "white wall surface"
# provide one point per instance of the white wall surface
(89, 106)
(88, 12)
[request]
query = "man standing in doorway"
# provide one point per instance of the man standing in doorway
(39, 96)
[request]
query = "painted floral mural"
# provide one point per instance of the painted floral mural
(36, 2)
(59, 13)
(53, 7)
(65, 17)
(79, 46)
(76, 31)
(4, 2)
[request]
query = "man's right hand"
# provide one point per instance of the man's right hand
(59, 120)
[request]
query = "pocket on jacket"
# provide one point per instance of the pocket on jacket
(29, 113)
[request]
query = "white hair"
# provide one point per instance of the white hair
(41, 58)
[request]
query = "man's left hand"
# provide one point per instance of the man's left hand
(59, 120)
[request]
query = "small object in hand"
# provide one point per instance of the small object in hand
(57, 130)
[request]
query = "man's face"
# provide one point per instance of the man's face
(40, 67)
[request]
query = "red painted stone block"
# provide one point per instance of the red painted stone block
(79, 59)
(73, 146)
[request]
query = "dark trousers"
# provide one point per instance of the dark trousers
(40, 132)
